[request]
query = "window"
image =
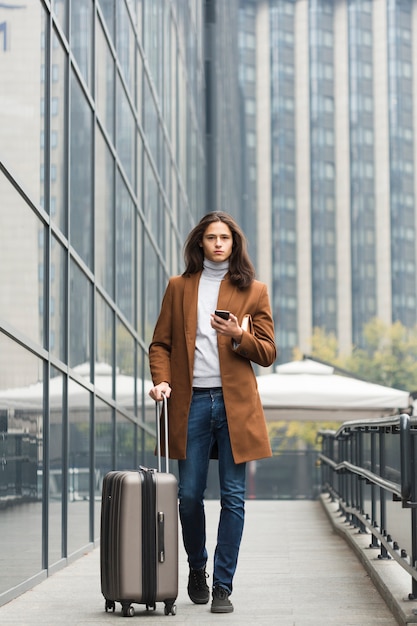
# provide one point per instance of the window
(251, 140)
(250, 107)
(329, 171)
(328, 71)
(328, 105)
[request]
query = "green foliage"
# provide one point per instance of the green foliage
(388, 356)
(324, 347)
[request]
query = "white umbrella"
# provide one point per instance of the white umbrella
(307, 390)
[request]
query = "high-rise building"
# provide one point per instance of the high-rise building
(336, 102)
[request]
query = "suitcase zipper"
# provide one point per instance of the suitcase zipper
(149, 538)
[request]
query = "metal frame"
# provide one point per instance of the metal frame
(344, 474)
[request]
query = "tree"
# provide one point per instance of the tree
(324, 347)
(388, 357)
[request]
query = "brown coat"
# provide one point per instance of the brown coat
(171, 356)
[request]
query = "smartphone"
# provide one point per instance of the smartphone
(223, 314)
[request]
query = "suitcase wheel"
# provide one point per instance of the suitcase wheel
(110, 606)
(170, 608)
(128, 610)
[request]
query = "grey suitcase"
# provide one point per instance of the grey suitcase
(139, 536)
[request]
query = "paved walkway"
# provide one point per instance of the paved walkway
(294, 570)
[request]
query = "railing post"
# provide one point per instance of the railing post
(359, 454)
(330, 470)
(350, 478)
(382, 461)
(413, 477)
(374, 543)
(337, 478)
(325, 469)
(354, 477)
(345, 479)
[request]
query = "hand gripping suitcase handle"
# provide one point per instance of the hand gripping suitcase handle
(159, 410)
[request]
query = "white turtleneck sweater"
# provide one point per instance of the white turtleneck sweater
(206, 356)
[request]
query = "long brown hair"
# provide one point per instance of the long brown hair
(241, 270)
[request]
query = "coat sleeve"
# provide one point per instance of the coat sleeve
(259, 347)
(161, 345)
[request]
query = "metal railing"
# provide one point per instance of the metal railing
(370, 468)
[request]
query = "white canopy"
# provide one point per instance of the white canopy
(31, 397)
(308, 390)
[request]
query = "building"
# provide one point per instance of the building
(336, 95)
(105, 157)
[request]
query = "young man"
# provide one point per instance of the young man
(202, 362)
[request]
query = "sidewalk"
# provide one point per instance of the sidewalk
(293, 571)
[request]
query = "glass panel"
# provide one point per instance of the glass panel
(166, 64)
(139, 167)
(18, 223)
(105, 82)
(21, 447)
(152, 36)
(60, 8)
(151, 292)
(108, 10)
(79, 466)
(81, 173)
(139, 11)
(44, 144)
(126, 46)
(139, 84)
(151, 200)
(147, 449)
(125, 133)
(104, 224)
(82, 36)
(125, 250)
(139, 273)
(56, 465)
(104, 453)
(58, 300)
(125, 363)
(167, 172)
(80, 319)
(22, 71)
(135, 10)
(58, 207)
(173, 113)
(150, 120)
(104, 347)
(146, 406)
(126, 443)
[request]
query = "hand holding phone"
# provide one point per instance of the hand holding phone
(223, 314)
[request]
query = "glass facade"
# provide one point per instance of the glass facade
(358, 94)
(224, 116)
(322, 122)
(362, 168)
(247, 85)
(102, 175)
(283, 168)
(401, 70)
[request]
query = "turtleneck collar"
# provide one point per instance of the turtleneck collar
(215, 270)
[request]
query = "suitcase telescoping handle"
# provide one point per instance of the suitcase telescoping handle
(162, 407)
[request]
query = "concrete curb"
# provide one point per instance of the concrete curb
(389, 578)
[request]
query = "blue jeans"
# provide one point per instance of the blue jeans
(207, 424)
